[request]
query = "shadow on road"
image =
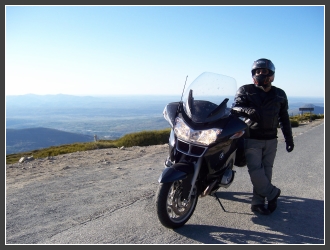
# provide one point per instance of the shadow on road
(295, 221)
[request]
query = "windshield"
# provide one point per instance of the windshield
(209, 97)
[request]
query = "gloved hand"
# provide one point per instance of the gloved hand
(249, 112)
(253, 114)
(289, 145)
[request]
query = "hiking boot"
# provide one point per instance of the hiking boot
(272, 204)
(260, 209)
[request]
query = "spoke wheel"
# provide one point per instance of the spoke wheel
(173, 211)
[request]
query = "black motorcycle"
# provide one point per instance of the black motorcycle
(205, 144)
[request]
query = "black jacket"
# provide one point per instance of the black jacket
(272, 107)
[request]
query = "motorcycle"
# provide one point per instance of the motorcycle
(204, 142)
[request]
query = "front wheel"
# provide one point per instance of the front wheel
(173, 211)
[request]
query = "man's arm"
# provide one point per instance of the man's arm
(241, 106)
(285, 123)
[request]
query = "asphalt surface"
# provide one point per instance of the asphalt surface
(123, 211)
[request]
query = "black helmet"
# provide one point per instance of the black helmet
(264, 64)
(261, 80)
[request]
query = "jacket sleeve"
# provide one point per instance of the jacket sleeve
(284, 119)
(240, 105)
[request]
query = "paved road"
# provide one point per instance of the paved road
(299, 218)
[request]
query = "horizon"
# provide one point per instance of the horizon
(135, 95)
(150, 50)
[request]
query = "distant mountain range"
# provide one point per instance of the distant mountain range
(317, 109)
(24, 140)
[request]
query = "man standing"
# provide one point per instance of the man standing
(265, 107)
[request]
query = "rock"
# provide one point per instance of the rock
(30, 158)
(22, 159)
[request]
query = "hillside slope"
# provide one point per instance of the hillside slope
(23, 140)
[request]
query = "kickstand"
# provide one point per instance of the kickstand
(215, 194)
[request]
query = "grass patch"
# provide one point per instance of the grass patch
(298, 119)
(144, 138)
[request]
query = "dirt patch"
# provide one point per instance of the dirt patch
(19, 174)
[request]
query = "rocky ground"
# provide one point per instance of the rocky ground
(19, 174)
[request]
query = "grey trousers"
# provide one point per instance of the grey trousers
(260, 156)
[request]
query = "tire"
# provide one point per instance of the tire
(172, 210)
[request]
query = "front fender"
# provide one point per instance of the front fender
(178, 171)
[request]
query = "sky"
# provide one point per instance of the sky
(99, 50)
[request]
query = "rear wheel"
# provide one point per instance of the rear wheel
(173, 211)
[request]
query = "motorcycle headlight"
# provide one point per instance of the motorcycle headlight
(204, 137)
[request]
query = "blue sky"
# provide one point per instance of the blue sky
(149, 50)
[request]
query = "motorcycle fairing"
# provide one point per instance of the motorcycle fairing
(170, 112)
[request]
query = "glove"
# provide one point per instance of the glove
(253, 114)
(250, 112)
(289, 145)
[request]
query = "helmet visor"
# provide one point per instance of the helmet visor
(262, 71)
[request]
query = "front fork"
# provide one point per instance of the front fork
(197, 167)
(182, 171)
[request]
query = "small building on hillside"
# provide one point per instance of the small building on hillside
(306, 108)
